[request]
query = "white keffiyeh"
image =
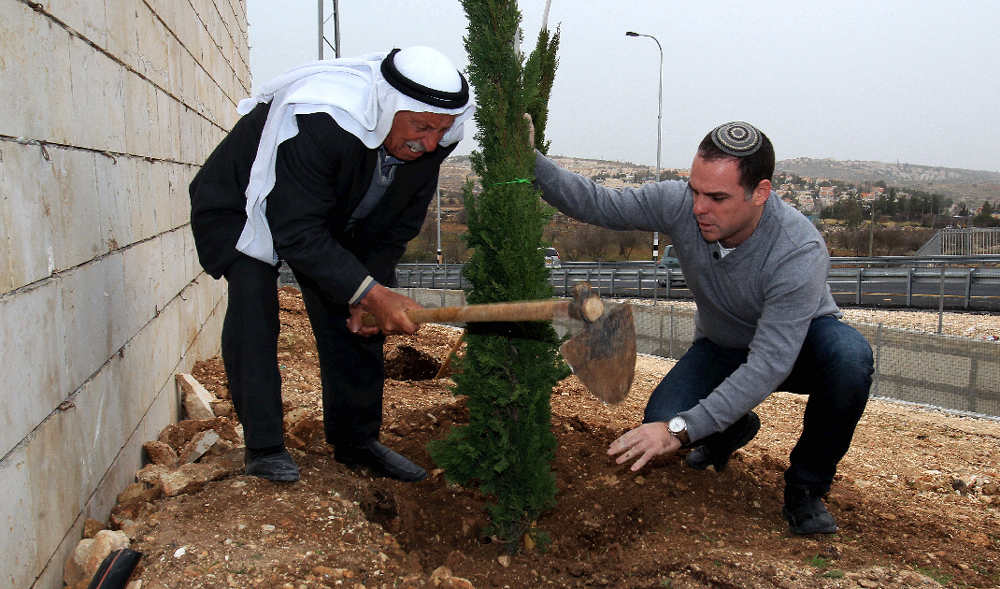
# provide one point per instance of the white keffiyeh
(357, 96)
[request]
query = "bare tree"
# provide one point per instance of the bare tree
(630, 241)
(598, 242)
(454, 249)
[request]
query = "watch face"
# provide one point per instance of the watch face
(677, 425)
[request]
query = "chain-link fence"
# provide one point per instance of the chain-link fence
(948, 372)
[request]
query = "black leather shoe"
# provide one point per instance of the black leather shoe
(276, 466)
(805, 511)
(704, 456)
(380, 460)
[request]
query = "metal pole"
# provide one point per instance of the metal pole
(598, 276)
(656, 283)
(322, 25)
(968, 286)
(878, 358)
(909, 286)
(871, 232)
(439, 223)
(336, 28)
(660, 343)
(941, 302)
(861, 274)
(672, 332)
(545, 15)
(659, 128)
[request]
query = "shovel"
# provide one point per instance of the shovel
(602, 354)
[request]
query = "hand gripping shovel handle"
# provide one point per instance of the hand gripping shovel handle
(588, 309)
(602, 354)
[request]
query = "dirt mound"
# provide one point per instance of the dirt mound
(915, 501)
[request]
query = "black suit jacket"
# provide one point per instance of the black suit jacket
(321, 175)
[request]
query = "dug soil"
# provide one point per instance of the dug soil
(915, 500)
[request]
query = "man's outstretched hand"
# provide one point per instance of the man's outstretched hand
(644, 443)
(389, 309)
(531, 130)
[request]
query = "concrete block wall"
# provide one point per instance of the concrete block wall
(107, 109)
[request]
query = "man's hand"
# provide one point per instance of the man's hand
(354, 323)
(531, 130)
(389, 309)
(645, 442)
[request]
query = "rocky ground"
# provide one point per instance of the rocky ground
(916, 498)
(977, 325)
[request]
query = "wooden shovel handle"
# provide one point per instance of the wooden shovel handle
(451, 354)
(494, 312)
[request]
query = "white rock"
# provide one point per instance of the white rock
(105, 542)
(198, 446)
(189, 478)
(197, 399)
(73, 571)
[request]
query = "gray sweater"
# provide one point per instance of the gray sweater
(762, 296)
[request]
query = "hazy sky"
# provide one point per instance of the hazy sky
(911, 81)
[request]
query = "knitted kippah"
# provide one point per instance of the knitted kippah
(737, 138)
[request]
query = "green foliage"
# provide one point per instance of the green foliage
(507, 445)
(934, 573)
(505, 220)
(985, 220)
(418, 255)
(539, 74)
(985, 217)
(509, 369)
(819, 562)
(823, 563)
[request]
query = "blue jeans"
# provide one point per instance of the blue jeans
(834, 368)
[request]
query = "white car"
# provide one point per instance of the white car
(552, 259)
(668, 269)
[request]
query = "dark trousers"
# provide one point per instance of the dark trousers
(351, 367)
(834, 368)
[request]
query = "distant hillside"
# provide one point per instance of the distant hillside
(971, 185)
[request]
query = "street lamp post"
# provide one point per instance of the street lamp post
(439, 257)
(871, 230)
(659, 126)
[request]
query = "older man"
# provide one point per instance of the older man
(331, 169)
(765, 321)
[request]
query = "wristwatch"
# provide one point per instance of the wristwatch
(679, 429)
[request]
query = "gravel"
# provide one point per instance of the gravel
(977, 325)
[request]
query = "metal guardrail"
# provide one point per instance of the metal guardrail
(607, 279)
(953, 282)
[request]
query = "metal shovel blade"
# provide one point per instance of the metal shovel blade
(603, 355)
